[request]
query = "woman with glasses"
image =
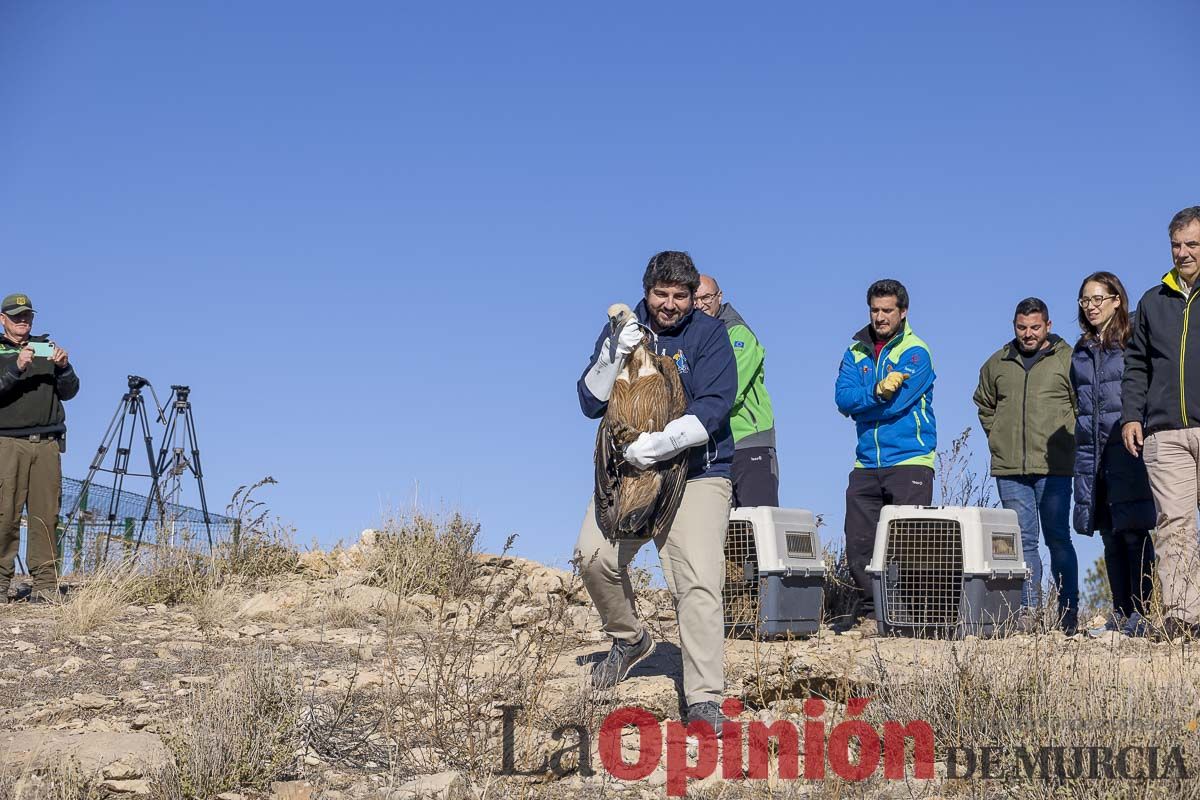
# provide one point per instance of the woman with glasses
(1112, 492)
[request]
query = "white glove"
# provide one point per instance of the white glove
(600, 379)
(679, 435)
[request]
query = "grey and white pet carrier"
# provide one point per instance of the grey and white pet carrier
(949, 571)
(774, 572)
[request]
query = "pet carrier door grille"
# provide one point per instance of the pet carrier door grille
(923, 580)
(740, 592)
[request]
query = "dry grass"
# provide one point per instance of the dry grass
(240, 734)
(419, 554)
(97, 602)
(63, 782)
(215, 607)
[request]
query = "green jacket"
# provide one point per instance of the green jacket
(1029, 415)
(751, 419)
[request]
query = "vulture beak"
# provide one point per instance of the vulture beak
(617, 314)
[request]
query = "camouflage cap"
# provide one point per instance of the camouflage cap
(15, 304)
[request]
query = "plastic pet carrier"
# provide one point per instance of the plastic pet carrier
(946, 572)
(774, 572)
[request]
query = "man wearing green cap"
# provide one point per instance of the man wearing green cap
(35, 379)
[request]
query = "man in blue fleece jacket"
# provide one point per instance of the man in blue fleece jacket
(692, 552)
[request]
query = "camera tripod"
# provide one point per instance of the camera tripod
(181, 404)
(128, 419)
(122, 431)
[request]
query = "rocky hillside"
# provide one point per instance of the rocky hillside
(349, 674)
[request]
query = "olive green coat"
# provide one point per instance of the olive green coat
(1029, 415)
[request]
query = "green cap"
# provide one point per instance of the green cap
(15, 304)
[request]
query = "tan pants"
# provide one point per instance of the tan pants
(1173, 462)
(30, 475)
(693, 562)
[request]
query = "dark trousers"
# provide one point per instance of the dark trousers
(1129, 559)
(755, 477)
(868, 492)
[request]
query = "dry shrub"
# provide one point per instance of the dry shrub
(446, 705)
(419, 554)
(958, 481)
(240, 734)
(334, 613)
(1048, 693)
(62, 782)
(214, 607)
(260, 548)
(841, 596)
(345, 728)
(97, 601)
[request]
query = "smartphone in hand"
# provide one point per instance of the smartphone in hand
(42, 349)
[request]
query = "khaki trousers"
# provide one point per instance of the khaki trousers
(30, 475)
(693, 563)
(1173, 463)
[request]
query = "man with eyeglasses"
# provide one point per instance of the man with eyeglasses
(35, 378)
(1027, 409)
(1160, 412)
(755, 466)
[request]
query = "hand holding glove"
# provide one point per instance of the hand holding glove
(680, 434)
(603, 374)
(888, 387)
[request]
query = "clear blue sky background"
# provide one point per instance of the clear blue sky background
(378, 239)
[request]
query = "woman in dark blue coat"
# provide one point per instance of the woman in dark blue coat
(1112, 492)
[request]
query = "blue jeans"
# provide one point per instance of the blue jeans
(1046, 498)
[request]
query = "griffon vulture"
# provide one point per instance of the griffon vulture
(634, 503)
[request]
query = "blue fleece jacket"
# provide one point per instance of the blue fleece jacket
(701, 349)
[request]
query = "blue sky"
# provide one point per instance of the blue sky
(378, 239)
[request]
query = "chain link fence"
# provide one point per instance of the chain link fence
(107, 529)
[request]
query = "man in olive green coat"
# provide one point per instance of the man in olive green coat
(1027, 409)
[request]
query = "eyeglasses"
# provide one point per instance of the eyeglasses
(1096, 299)
(705, 299)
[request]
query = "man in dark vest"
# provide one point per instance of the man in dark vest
(35, 378)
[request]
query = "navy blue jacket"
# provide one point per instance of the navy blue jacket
(1100, 456)
(701, 349)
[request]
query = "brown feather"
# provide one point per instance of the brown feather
(633, 503)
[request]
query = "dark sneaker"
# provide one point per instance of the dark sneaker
(707, 711)
(1070, 623)
(1136, 626)
(620, 659)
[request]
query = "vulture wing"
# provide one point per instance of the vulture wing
(674, 472)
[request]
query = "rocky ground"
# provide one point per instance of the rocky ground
(394, 697)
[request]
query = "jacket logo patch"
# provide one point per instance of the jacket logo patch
(681, 362)
(739, 344)
(916, 359)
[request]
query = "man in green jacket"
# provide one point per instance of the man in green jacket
(1027, 409)
(755, 466)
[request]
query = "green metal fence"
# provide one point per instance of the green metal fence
(103, 531)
